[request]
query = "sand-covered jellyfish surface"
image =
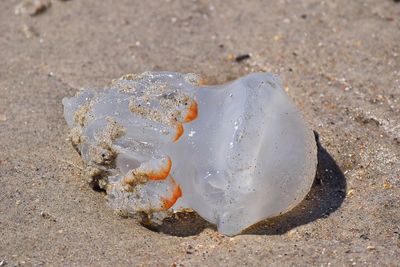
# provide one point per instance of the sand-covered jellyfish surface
(159, 143)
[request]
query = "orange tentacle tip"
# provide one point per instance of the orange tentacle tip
(169, 202)
(192, 112)
(179, 131)
(162, 173)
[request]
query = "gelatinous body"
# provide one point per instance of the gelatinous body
(158, 142)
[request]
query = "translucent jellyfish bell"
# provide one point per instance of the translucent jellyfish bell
(159, 142)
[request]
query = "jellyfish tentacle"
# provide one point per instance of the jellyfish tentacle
(153, 169)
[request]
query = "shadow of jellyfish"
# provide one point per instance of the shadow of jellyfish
(326, 195)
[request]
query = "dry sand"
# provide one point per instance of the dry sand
(340, 62)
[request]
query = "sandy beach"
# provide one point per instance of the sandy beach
(339, 62)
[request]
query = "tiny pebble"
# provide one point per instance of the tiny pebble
(32, 7)
(387, 185)
(350, 193)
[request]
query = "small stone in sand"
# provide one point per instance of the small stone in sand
(32, 7)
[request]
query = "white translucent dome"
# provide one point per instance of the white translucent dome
(159, 142)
